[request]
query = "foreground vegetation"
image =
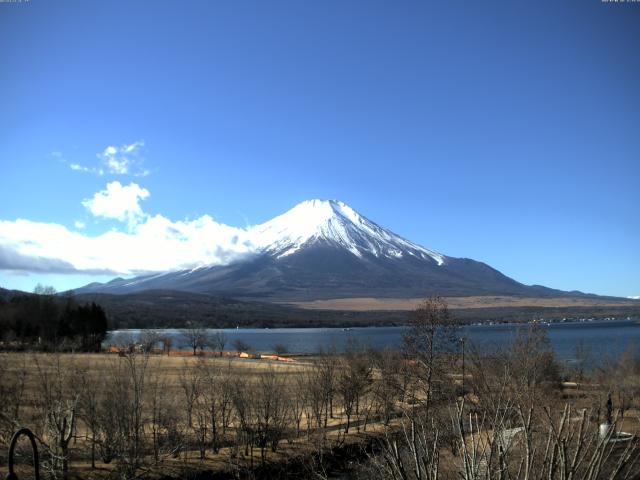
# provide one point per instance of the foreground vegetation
(423, 413)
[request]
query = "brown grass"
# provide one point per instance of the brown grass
(171, 368)
(368, 304)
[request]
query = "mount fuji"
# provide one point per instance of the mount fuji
(324, 249)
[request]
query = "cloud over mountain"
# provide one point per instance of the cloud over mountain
(149, 243)
(118, 202)
(12, 260)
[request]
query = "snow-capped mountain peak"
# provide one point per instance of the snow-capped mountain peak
(337, 224)
(323, 249)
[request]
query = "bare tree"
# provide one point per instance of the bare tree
(167, 343)
(298, 397)
(431, 335)
(211, 396)
(196, 337)
(89, 403)
(620, 378)
(124, 342)
(564, 447)
(388, 386)
(57, 406)
(241, 346)
(202, 420)
(110, 417)
(354, 377)
(326, 368)
(136, 367)
(148, 339)
(227, 378)
(280, 349)
(315, 391)
(531, 364)
(218, 341)
(217, 398)
(243, 407)
(190, 383)
(157, 403)
(270, 410)
(40, 289)
(123, 413)
(584, 356)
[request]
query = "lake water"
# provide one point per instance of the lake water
(603, 338)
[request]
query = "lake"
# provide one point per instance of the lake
(603, 338)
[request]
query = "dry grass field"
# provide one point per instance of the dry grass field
(178, 394)
(456, 303)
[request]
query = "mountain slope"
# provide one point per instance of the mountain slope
(337, 224)
(325, 249)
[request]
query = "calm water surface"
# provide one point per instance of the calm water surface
(603, 338)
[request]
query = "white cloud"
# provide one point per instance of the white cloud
(118, 202)
(152, 243)
(124, 160)
(79, 225)
(80, 168)
(157, 244)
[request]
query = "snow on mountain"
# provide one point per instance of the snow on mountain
(335, 223)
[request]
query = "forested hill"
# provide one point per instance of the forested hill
(50, 322)
(174, 309)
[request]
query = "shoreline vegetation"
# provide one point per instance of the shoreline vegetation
(176, 309)
(171, 309)
(437, 408)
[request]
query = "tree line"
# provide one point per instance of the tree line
(46, 321)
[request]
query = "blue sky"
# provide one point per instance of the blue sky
(502, 131)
